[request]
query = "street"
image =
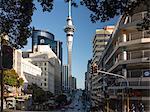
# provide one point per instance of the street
(75, 106)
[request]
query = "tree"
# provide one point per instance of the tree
(61, 99)
(104, 10)
(38, 94)
(11, 78)
(15, 19)
(16, 15)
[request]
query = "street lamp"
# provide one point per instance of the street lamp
(112, 74)
(116, 75)
(120, 76)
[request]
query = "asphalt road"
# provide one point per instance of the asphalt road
(75, 106)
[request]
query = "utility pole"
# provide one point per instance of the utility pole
(1, 68)
(4, 63)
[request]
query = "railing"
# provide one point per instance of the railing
(138, 16)
(134, 55)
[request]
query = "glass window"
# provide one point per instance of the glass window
(44, 84)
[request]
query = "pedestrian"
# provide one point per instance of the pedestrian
(132, 108)
(141, 107)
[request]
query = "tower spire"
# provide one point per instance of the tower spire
(69, 8)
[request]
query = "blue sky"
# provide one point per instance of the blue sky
(55, 22)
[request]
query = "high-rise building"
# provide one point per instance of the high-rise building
(74, 83)
(126, 54)
(100, 41)
(88, 81)
(65, 78)
(69, 29)
(50, 65)
(42, 37)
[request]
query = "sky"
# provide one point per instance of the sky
(55, 21)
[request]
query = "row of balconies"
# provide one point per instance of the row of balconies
(134, 36)
(130, 36)
(115, 47)
(115, 54)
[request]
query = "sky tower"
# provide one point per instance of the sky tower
(69, 30)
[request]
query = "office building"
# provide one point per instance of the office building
(100, 40)
(65, 78)
(42, 37)
(50, 65)
(74, 83)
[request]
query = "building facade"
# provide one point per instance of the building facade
(100, 40)
(65, 78)
(127, 54)
(42, 37)
(88, 81)
(17, 60)
(50, 65)
(30, 73)
(74, 83)
(26, 70)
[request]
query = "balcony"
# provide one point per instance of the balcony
(132, 22)
(136, 41)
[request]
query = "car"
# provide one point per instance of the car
(71, 107)
(63, 109)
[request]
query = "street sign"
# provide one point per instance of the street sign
(146, 73)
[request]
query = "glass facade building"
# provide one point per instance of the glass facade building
(41, 37)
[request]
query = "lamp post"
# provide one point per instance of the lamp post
(6, 61)
(120, 76)
(112, 74)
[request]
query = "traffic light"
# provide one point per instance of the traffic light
(95, 68)
(91, 70)
(7, 57)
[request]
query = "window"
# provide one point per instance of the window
(45, 64)
(45, 69)
(41, 84)
(44, 84)
(45, 79)
(42, 41)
